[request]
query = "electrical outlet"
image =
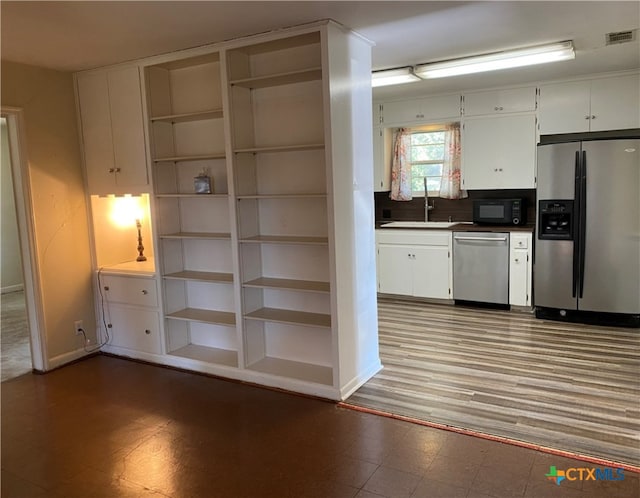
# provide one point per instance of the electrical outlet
(78, 327)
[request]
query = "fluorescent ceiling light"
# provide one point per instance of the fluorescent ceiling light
(500, 60)
(393, 77)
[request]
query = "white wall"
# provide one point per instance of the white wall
(11, 270)
(62, 249)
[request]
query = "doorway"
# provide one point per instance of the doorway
(14, 327)
(21, 340)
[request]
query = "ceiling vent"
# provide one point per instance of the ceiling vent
(621, 37)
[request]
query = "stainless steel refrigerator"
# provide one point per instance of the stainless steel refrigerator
(587, 250)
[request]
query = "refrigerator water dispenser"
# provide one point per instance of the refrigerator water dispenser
(556, 220)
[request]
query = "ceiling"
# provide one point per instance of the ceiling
(71, 36)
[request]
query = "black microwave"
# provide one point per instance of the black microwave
(500, 211)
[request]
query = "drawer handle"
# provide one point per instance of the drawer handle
(147, 331)
(106, 287)
(145, 292)
(484, 239)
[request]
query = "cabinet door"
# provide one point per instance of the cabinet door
(564, 107)
(405, 111)
(518, 151)
(125, 103)
(520, 270)
(615, 103)
(500, 101)
(134, 328)
(382, 138)
(431, 272)
(377, 114)
(395, 269)
(378, 159)
(499, 152)
(427, 110)
(95, 119)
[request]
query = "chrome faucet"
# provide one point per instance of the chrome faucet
(427, 208)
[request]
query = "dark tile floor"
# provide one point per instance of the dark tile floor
(107, 427)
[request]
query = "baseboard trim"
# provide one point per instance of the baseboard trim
(358, 381)
(65, 358)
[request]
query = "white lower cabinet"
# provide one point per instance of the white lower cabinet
(520, 250)
(414, 263)
(130, 311)
(134, 329)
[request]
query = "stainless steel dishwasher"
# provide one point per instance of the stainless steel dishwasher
(481, 267)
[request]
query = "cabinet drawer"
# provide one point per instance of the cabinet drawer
(414, 237)
(136, 329)
(519, 241)
(135, 291)
(500, 101)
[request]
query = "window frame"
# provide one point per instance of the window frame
(434, 128)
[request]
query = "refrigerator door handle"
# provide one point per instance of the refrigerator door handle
(576, 246)
(583, 219)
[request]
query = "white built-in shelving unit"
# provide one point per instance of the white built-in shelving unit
(270, 277)
(277, 116)
(187, 135)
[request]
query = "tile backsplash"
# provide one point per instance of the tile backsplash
(446, 209)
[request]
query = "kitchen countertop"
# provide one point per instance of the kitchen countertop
(462, 227)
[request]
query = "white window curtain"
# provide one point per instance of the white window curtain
(401, 167)
(450, 185)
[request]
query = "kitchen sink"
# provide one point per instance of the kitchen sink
(420, 224)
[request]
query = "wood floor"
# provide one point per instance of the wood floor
(107, 427)
(570, 387)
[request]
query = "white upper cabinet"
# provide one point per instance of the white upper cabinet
(382, 143)
(499, 152)
(500, 101)
(564, 107)
(425, 110)
(112, 127)
(601, 104)
(377, 114)
(615, 103)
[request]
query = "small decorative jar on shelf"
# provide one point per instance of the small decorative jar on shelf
(202, 183)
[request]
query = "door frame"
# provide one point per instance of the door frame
(26, 233)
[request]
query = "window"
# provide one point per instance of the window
(427, 158)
